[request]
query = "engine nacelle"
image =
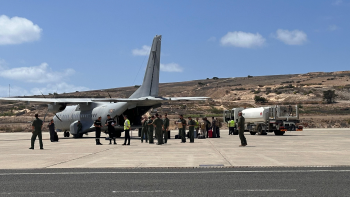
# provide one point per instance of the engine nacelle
(56, 108)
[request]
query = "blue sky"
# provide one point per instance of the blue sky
(66, 46)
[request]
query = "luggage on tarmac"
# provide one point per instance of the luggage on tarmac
(177, 137)
(55, 137)
(168, 134)
(210, 133)
(188, 134)
(201, 137)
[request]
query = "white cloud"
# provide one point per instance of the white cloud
(333, 28)
(49, 88)
(295, 37)
(142, 52)
(35, 74)
(18, 30)
(171, 67)
(58, 87)
(212, 39)
(243, 39)
(337, 2)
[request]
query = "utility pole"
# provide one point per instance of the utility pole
(9, 90)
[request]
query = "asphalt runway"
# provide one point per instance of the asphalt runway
(333, 181)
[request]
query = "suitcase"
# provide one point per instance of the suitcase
(55, 137)
(177, 137)
(210, 133)
(201, 137)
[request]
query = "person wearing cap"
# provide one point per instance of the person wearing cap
(98, 125)
(111, 131)
(144, 131)
(166, 127)
(158, 124)
(37, 125)
(127, 130)
(150, 129)
(191, 124)
(241, 121)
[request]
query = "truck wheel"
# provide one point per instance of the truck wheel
(260, 131)
(252, 133)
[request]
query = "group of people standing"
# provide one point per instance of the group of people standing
(157, 124)
(112, 134)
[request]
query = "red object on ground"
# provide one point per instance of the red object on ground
(210, 133)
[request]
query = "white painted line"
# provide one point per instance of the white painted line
(24, 193)
(184, 172)
(267, 190)
(155, 191)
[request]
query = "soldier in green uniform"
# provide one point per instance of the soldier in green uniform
(150, 130)
(144, 130)
(158, 124)
(37, 126)
(182, 131)
(191, 125)
(166, 127)
(241, 130)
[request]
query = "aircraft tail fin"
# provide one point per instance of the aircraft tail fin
(150, 85)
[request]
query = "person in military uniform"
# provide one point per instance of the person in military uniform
(150, 129)
(196, 127)
(182, 131)
(158, 124)
(241, 130)
(144, 131)
(98, 126)
(111, 131)
(37, 125)
(166, 127)
(191, 125)
(213, 124)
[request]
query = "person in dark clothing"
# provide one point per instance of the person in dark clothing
(52, 131)
(111, 131)
(241, 122)
(150, 129)
(37, 126)
(208, 126)
(182, 131)
(158, 125)
(166, 128)
(213, 124)
(98, 126)
(191, 125)
(144, 131)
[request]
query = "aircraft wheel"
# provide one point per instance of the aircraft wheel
(235, 133)
(252, 133)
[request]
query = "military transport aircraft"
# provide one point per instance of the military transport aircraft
(69, 110)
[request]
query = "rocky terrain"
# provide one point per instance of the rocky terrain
(305, 90)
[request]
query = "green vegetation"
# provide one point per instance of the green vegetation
(215, 110)
(215, 78)
(8, 113)
(203, 115)
(329, 96)
(250, 76)
(259, 99)
(201, 84)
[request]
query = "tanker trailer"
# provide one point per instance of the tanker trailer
(261, 120)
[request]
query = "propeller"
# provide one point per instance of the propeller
(48, 110)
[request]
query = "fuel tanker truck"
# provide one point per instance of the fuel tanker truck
(263, 120)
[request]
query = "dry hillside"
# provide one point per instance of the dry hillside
(303, 89)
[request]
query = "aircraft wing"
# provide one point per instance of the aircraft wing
(50, 100)
(90, 100)
(161, 99)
